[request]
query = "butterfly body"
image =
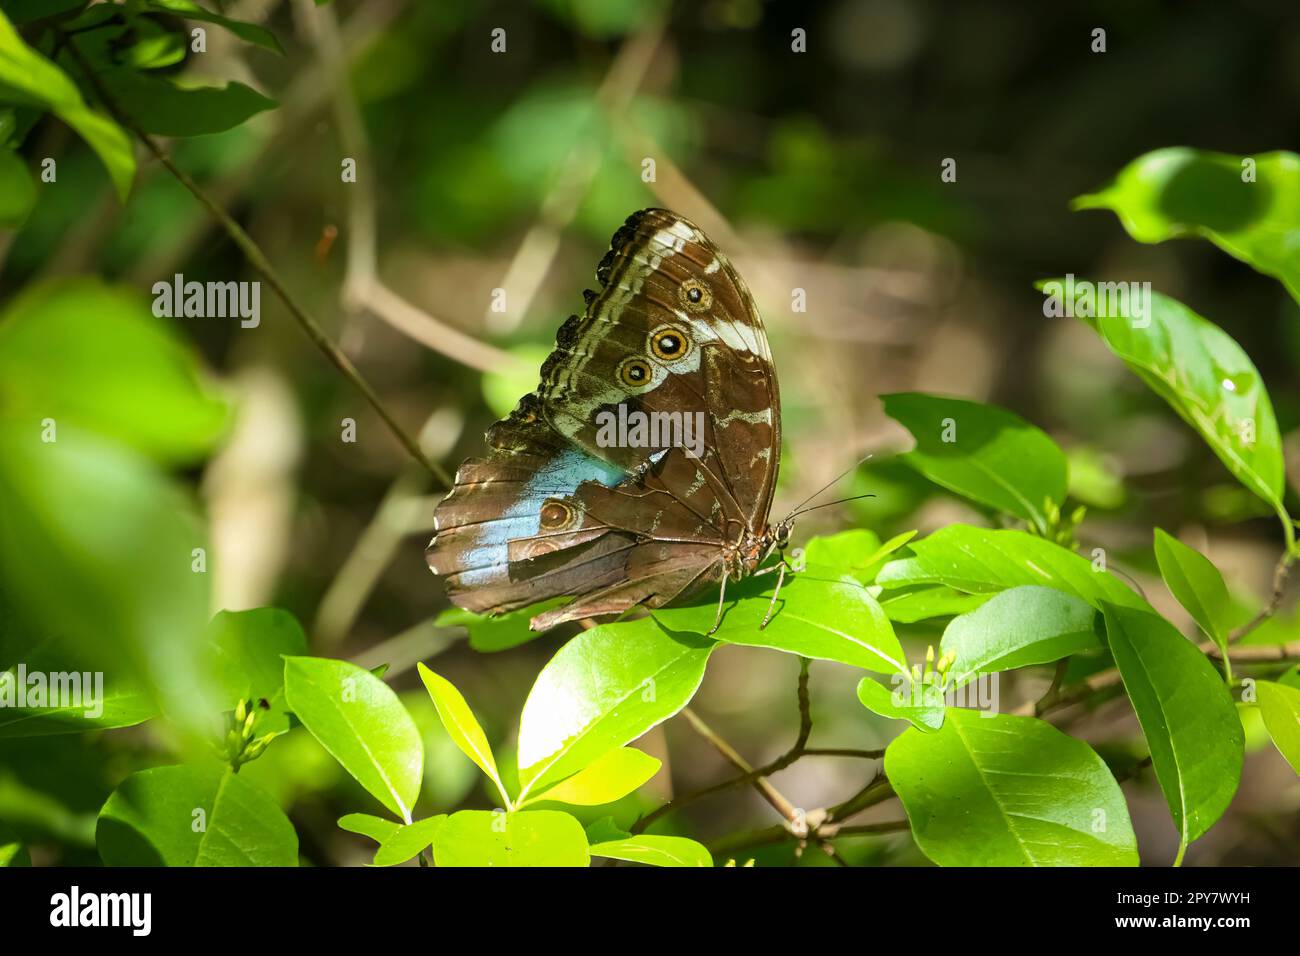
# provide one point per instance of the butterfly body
(567, 504)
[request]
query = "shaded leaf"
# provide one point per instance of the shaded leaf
(250, 32)
(17, 190)
(12, 851)
(248, 652)
(983, 453)
(166, 109)
(193, 816)
(91, 355)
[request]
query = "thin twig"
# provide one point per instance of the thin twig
(761, 784)
(1281, 573)
(262, 266)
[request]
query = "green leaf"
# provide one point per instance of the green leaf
(193, 816)
(120, 537)
(29, 79)
(1205, 377)
(12, 851)
(609, 777)
(17, 190)
(1280, 706)
(1018, 628)
(409, 841)
(248, 651)
(979, 560)
(907, 605)
(360, 721)
(654, 850)
(492, 634)
(820, 613)
(90, 355)
(923, 708)
(1189, 192)
(998, 790)
(983, 453)
(1186, 713)
(160, 106)
(1198, 586)
(857, 551)
(26, 11)
(461, 725)
(601, 690)
(250, 32)
(91, 700)
(369, 825)
(526, 838)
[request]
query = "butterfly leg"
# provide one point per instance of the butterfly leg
(771, 607)
(722, 594)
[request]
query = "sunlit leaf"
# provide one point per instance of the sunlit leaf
(29, 79)
(1280, 706)
(919, 702)
(1186, 714)
(1018, 628)
(819, 613)
(1249, 210)
(408, 842)
(998, 790)
(525, 838)
(602, 690)
(1204, 375)
(980, 560)
(369, 825)
(461, 725)
(1198, 586)
(12, 851)
(360, 721)
(609, 777)
(654, 850)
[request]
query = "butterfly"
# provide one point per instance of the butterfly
(594, 487)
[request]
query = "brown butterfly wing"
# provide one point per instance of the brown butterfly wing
(554, 510)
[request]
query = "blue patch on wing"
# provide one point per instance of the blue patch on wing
(561, 476)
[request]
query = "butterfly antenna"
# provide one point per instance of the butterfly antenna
(827, 504)
(854, 467)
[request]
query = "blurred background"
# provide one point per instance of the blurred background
(820, 171)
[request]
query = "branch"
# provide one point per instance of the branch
(262, 266)
(1280, 575)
